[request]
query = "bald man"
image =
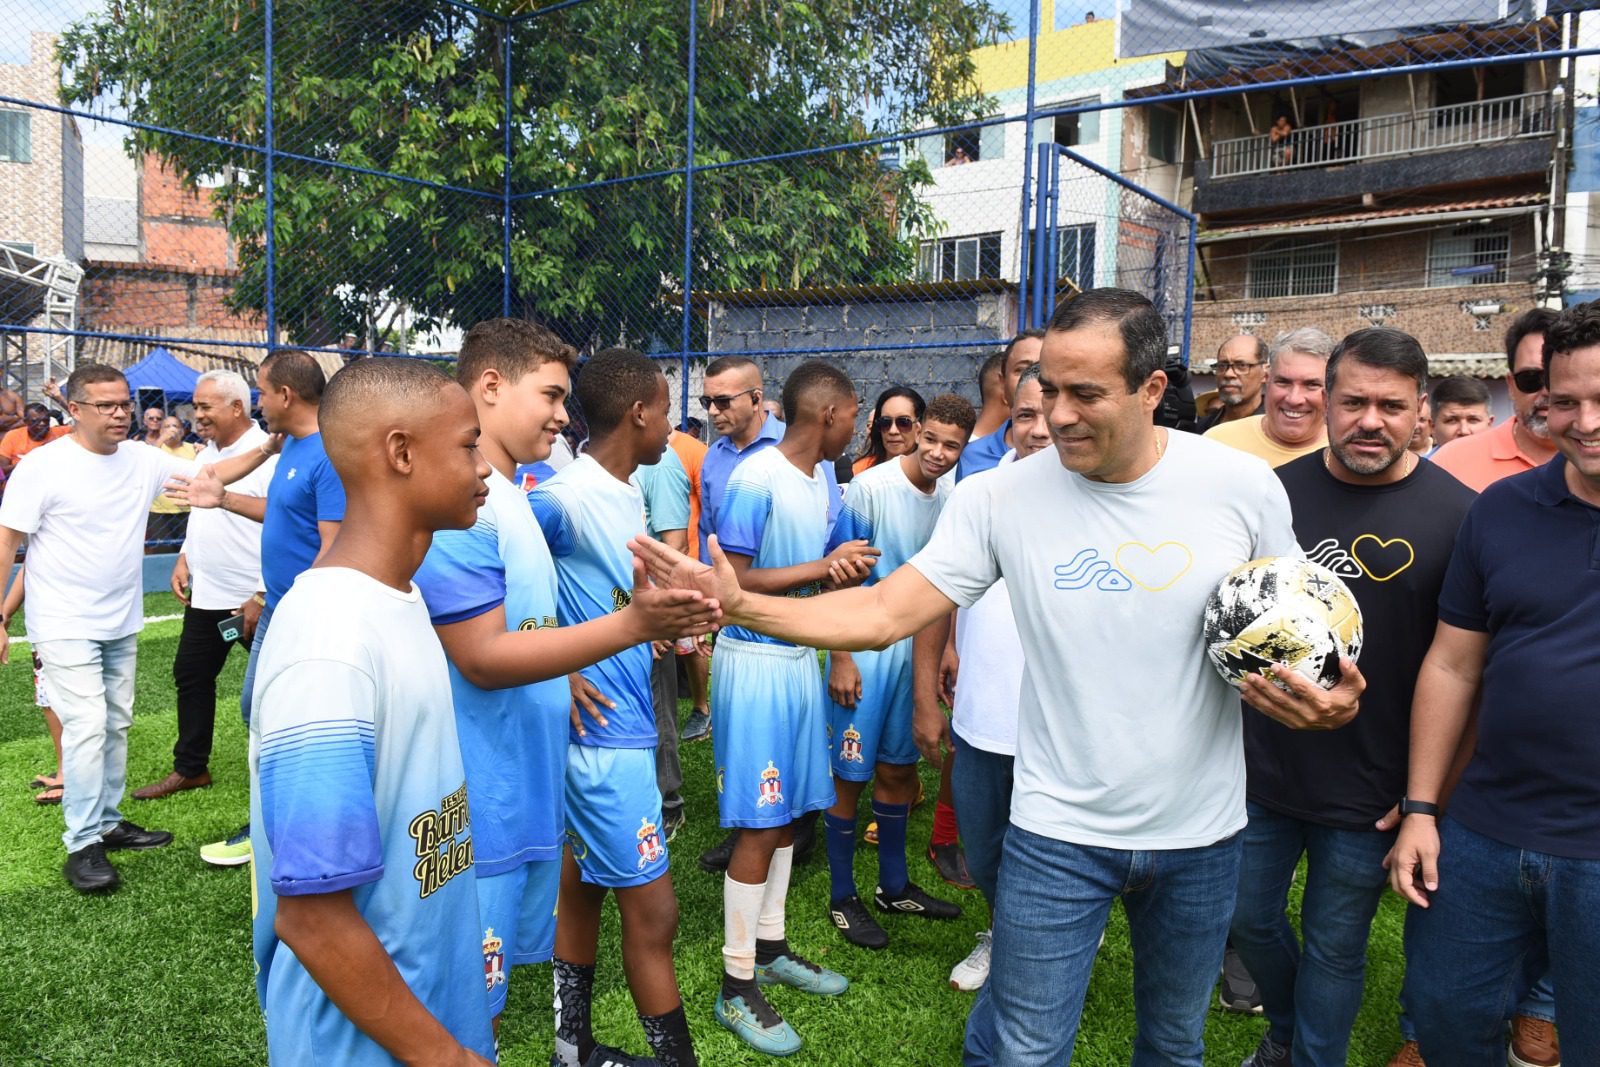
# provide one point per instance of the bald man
(367, 936)
(1241, 371)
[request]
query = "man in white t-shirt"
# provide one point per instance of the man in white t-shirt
(1129, 774)
(81, 502)
(216, 576)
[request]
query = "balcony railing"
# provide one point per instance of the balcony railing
(1431, 130)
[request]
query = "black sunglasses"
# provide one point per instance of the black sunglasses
(723, 403)
(1530, 380)
(903, 423)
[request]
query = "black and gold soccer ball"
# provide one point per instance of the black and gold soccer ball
(1282, 609)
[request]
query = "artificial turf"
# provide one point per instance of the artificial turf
(159, 972)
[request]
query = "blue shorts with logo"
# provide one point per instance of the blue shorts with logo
(614, 815)
(769, 733)
(518, 910)
(878, 728)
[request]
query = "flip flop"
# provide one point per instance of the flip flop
(46, 797)
(45, 781)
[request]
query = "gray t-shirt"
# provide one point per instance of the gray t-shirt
(1127, 737)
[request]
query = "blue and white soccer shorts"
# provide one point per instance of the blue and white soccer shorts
(518, 909)
(614, 815)
(878, 729)
(769, 733)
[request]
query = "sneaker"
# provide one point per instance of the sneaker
(1533, 1043)
(856, 923)
(1408, 1056)
(89, 871)
(715, 859)
(800, 973)
(972, 972)
(805, 836)
(754, 1022)
(871, 836)
(697, 727)
(126, 835)
(233, 852)
(1238, 991)
(606, 1056)
(913, 901)
(672, 820)
(1268, 1054)
(951, 863)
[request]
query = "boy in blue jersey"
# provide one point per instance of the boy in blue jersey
(615, 838)
(769, 729)
(894, 507)
(491, 593)
(366, 933)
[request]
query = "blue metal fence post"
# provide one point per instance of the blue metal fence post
(1041, 196)
(270, 294)
(1188, 291)
(507, 26)
(1024, 265)
(688, 215)
(1051, 271)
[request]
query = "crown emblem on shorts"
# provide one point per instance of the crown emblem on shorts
(771, 772)
(646, 828)
(491, 943)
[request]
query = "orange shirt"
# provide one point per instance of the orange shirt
(16, 443)
(865, 463)
(1480, 460)
(691, 453)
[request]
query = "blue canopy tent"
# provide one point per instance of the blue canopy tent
(160, 370)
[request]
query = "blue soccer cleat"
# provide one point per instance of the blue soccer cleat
(800, 973)
(755, 1023)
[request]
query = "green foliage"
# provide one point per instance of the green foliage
(599, 94)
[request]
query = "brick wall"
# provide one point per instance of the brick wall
(31, 208)
(178, 225)
(151, 298)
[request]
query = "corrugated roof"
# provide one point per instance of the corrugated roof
(1496, 203)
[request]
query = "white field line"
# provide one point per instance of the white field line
(148, 619)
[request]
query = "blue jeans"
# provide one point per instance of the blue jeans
(247, 694)
(980, 786)
(1311, 997)
(1501, 915)
(91, 692)
(1052, 908)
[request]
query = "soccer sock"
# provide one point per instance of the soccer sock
(944, 825)
(770, 926)
(741, 914)
(574, 989)
(767, 951)
(669, 1036)
(841, 834)
(892, 873)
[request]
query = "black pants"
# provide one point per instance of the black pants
(201, 655)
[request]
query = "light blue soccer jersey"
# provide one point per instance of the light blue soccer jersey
(882, 507)
(359, 786)
(513, 741)
(777, 516)
(588, 518)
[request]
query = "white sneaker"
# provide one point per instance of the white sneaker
(972, 972)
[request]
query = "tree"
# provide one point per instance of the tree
(599, 94)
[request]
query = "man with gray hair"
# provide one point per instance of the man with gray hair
(1292, 423)
(217, 576)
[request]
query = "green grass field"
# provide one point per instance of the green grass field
(160, 972)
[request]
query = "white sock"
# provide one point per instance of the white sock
(741, 912)
(770, 928)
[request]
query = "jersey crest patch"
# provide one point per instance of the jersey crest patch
(494, 960)
(650, 848)
(771, 787)
(850, 744)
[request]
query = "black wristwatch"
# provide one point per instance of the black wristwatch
(1417, 807)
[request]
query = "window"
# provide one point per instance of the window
(960, 259)
(16, 137)
(963, 146)
(1070, 131)
(1293, 268)
(1162, 129)
(1075, 261)
(1469, 255)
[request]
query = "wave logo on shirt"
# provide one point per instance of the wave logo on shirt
(1369, 556)
(494, 960)
(620, 597)
(1086, 569)
(850, 744)
(546, 623)
(440, 856)
(650, 847)
(771, 792)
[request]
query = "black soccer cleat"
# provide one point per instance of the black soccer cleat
(913, 901)
(856, 923)
(715, 859)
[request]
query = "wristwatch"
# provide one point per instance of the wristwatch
(1417, 807)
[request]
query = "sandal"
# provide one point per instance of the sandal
(51, 795)
(46, 781)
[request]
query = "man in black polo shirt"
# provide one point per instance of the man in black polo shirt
(1509, 880)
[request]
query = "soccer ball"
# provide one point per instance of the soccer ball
(1282, 609)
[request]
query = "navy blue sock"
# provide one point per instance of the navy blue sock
(841, 854)
(892, 873)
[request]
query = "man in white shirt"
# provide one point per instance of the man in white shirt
(1129, 775)
(81, 502)
(217, 575)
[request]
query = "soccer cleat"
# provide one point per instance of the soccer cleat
(1533, 1043)
(856, 923)
(1268, 1054)
(672, 820)
(1237, 992)
(805, 836)
(606, 1056)
(233, 852)
(972, 972)
(716, 858)
(697, 727)
(754, 1022)
(951, 863)
(800, 973)
(1408, 1056)
(913, 901)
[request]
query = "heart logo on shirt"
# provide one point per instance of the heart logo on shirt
(1382, 559)
(1154, 569)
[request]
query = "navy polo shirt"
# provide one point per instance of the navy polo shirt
(984, 453)
(1526, 571)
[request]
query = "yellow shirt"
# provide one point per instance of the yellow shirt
(1247, 435)
(164, 504)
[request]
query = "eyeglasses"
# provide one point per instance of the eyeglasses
(107, 407)
(1228, 366)
(723, 403)
(1529, 381)
(903, 423)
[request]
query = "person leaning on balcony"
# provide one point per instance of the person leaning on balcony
(1290, 423)
(1241, 369)
(1278, 138)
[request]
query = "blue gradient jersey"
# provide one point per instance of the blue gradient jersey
(359, 786)
(882, 507)
(304, 491)
(588, 518)
(513, 741)
(776, 515)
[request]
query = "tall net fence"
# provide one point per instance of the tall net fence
(895, 186)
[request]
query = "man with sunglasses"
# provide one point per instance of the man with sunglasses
(1240, 369)
(1517, 444)
(732, 401)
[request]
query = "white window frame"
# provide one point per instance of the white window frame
(1300, 265)
(1459, 253)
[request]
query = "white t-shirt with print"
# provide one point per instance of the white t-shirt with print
(223, 549)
